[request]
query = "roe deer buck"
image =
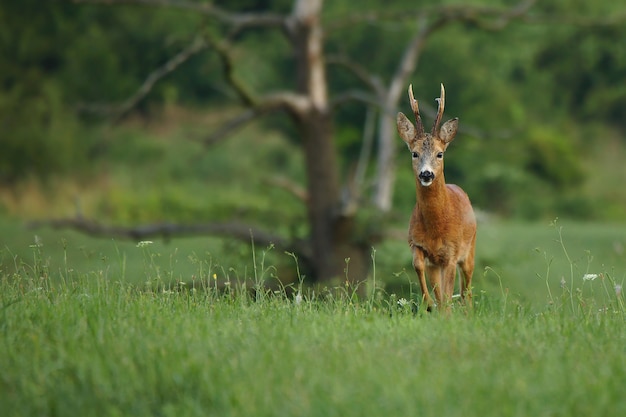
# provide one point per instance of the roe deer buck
(442, 230)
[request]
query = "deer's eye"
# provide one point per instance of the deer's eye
(415, 155)
(440, 155)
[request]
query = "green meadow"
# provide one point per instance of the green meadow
(207, 326)
(527, 262)
(99, 327)
(196, 113)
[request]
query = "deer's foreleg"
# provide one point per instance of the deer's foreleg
(420, 270)
(435, 276)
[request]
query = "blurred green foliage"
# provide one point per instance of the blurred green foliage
(529, 97)
(553, 157)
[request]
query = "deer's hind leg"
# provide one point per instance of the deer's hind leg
(467, 270)
(449, 279)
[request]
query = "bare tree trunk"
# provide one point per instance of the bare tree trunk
(331, 235)
(323, 189)
(315, 128)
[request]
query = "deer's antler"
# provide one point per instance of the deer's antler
(442, 104)
(416, 112)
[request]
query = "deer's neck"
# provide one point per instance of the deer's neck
(432, 202)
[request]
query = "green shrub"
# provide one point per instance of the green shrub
(40, 137)
(553, 157)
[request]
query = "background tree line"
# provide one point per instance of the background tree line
(538, 87)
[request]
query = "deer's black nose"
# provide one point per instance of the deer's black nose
(426, 176)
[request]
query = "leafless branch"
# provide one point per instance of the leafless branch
(224, 50)
(296, 103)
(428, 21)
(234, 230)
(293, 188)
(411, 55)
(369, 132)
(237, 21)
(230, 126)
(359, 71)
(353, 192)
(291, 102)
(492, 18)
(120, 110)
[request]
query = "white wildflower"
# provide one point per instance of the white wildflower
(403, 302)
(38, 243)
(144, 243)
(298, 298)
(589, 277)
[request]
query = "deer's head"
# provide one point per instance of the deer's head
(427, 149)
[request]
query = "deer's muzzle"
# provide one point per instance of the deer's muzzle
(426, 177)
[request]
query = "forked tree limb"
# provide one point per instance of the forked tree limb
(257, 105)
(292, 102)
(428, 21)
(222, 46)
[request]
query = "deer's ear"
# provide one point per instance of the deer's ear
(448, 130)
(406, 129)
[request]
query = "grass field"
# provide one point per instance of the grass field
(101, 328)
(96, 347)
(525, 259)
